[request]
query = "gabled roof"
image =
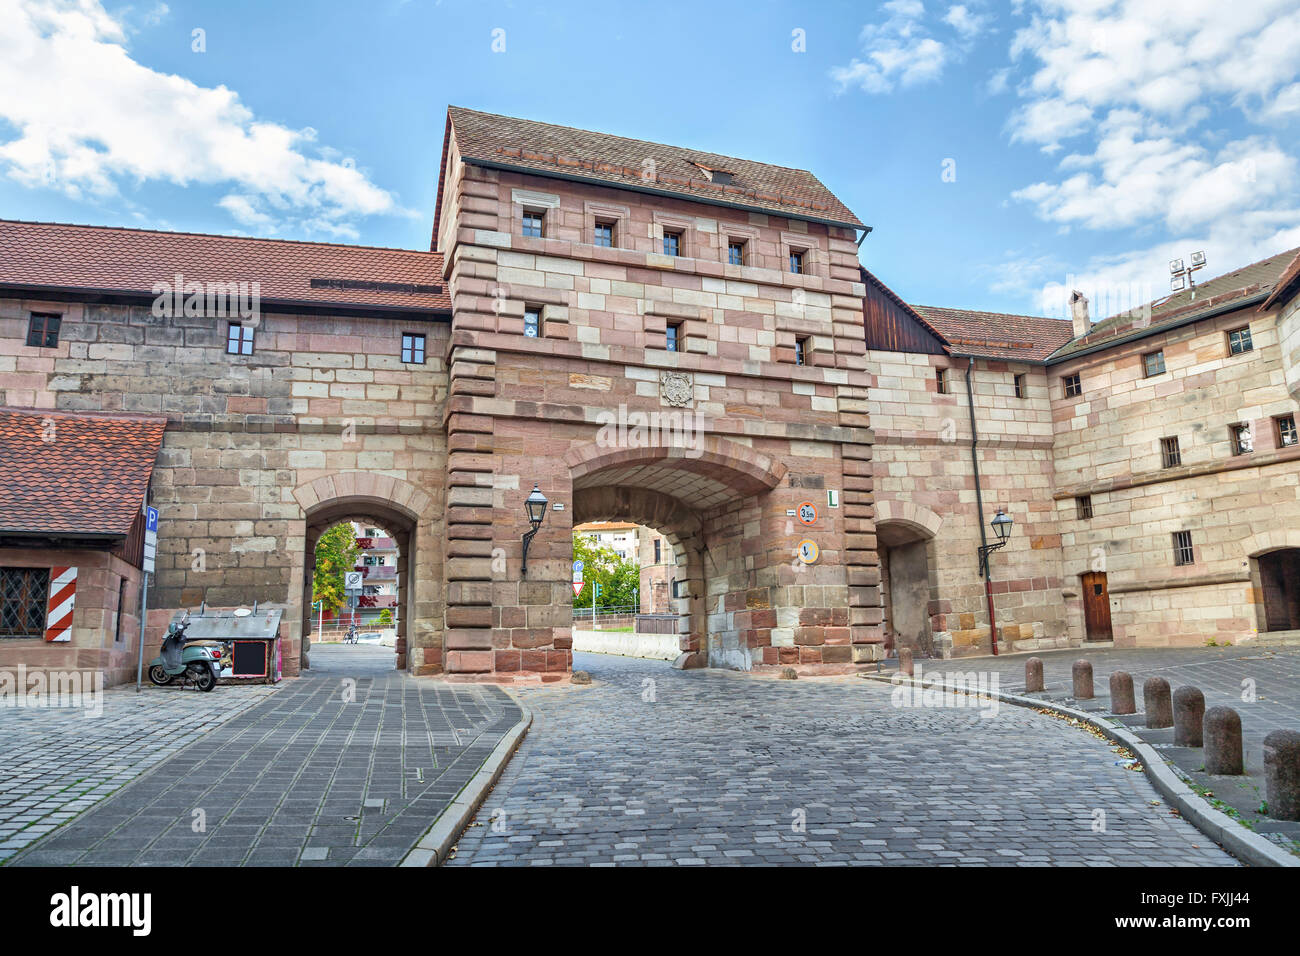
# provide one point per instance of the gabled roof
(74, 474)
(997, 335)
(1286, 287)
(548, 150)
(128, 262)
(1232, 290)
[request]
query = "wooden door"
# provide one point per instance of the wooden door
(1096, 606)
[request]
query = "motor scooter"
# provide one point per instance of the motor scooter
(196, 663)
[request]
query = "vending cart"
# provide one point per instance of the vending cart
(251, 638)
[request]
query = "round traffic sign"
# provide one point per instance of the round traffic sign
(807, 512)
(808, 551)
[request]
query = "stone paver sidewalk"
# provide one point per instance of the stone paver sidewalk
(58, 762)
(656, 767)
(346, 765)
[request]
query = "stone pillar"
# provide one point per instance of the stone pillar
(1222, 736)
(1189, 713)
(1121, 693)
(905, 661)
(1082, 674)
(1033, 675)
(1156, 702)
(1282, 774)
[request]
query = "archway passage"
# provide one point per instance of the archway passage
(1279, 576)
(374, 514)
(904, 548)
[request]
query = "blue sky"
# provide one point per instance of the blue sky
(1085, 142)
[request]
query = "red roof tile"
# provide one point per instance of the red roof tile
(616, 160)
(109, 259)
(997, 335)
(74, 474)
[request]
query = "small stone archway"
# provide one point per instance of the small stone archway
(1274, 557)
(383, 500)
(905, 536)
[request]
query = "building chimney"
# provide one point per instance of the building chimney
(1079, 313)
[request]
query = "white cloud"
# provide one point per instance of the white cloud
(89, 117)
(967, 23)
(898, 52)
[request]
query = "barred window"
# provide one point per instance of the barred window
(1083, 507)
(801, 351)
(24, 593)
(1171, 456)
(941, 381)
(1183, 553)
(1020, 386)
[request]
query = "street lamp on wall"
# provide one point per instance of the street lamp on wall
(1002, 528)
(535, 505)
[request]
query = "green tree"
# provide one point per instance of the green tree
(336, 552)
(618, 579)
(385, 618)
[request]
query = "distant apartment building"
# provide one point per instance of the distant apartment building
(649, 550)
(377, 561)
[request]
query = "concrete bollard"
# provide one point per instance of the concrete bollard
(1033, 675)
(1282, 774)
(1189, 715)
(1222, 736)
(905, 661)
(1155, 701)
(1082, 673)
(1121, 693)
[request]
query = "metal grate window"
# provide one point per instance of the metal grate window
(43, 330)
(1239, 341)
(1183, 553)
(413, 348)
(1020, 386)
(1083, 507)
(1072, 385)
(24, 593)
(1171, 455)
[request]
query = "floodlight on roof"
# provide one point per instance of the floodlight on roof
(1175, 266)
(1198, 260)
(1177, 283)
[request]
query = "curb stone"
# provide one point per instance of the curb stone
(1244, 844)
(436, 844)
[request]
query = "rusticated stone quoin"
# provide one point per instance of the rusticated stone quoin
(1121, 693)
(1082, 674)
(1222, 735)
(1189, 713)
(1033, 675)
(1282, 774)
(1157, 703)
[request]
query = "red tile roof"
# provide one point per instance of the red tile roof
(1285, 286)
(105, 259)
(615, 160)
(997, 335)
(74, 474)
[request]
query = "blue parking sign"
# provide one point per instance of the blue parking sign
(151, 519)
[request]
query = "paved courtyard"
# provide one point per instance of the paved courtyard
(346, 765)
(657, 767)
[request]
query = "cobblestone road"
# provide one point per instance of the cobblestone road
(652, 766)
(346, 765)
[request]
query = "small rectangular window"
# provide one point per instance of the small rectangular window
(118, 636)
(735, 253)
(658, 552)
(1243, 441)
(1072, 385)
(1183, 553)
(24, 594)
(412, 348)
(796, 261)
(1020, 386)
(1286, 431)
(532, 225)
(1170, 454)
(672, 243)
(532, 321)
(801, 351)
(941, 381)
(1153, 363)
(1239, 341)
(672, 336)
(43, 330)
(239, 339)
(604, 234)
(1083, 507)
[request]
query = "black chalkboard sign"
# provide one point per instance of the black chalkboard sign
(248, 659)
